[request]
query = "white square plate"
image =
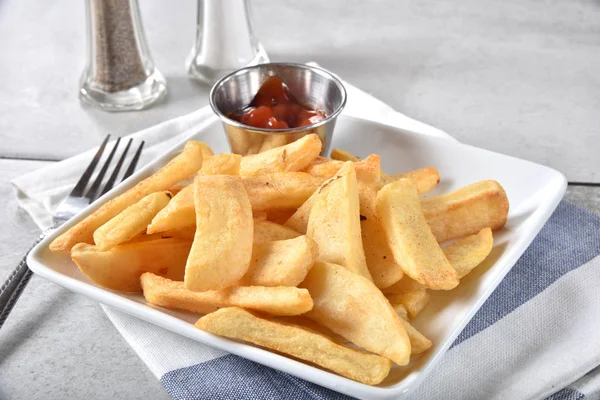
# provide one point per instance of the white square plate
(534, 192)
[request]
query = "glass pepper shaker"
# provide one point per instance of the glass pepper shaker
(225, 40)
(120, 74)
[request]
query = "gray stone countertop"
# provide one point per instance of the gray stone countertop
(518, 77)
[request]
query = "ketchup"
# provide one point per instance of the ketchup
(275, 107)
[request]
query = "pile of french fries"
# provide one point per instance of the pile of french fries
(326, 260)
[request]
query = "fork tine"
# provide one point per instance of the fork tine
(92, 193)
(113, 177)
(85, 177)
(134, 162)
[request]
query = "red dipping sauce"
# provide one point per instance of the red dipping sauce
(275, 107)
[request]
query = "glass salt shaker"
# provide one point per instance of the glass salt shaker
(120, 74)
(225, 40)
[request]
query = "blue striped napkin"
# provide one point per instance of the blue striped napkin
(536, 337)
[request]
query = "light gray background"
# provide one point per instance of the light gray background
(517, 76)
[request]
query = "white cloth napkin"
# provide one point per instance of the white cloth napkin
(480, 349)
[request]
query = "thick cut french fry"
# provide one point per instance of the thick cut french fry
(466, 211)
(179, 213)
(267, 231)
(292, 157)
(418, 342)
(414, 301)
(367, 170)
(181, 167)
(401, 311)
(280, 190)
(353, 307)
(343, 155)
(280, 263)
(220, 254)
(282, 300)
(413, 245)
(334, 222)
(467, 253)
(424, 179)
(383, 268)
(410, 294)
(306, 345)
(120, 267)
(270, 192)
(131, 221)
(222, 164)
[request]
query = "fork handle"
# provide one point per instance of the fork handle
(15, 284)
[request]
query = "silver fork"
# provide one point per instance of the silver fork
(76, 201)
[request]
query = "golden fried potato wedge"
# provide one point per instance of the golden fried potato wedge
(222, 164)
(267, 231)
(180, 168)
(418, 342)
(334, 222)
(367, 170)
(282, 300)
(424, 179)
(280, 190)
(343, 155)
(306, 345)
(413, 245)
(131, 221)
(410, 294)
(178, 213)
(353, 307)
(120, 267)
(401, 311)
(467, 253)
(466, 211)
(281, 263)
(220, 254)
(292, 157)
(383, 268)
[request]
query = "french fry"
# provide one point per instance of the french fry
(424, 179)
(179, 213)
(413, 245)
(410, 294)
(401, 311)
(277, 301)
(298, 221)
(383, 268)
(280, 190)
(205, 149)
(120, 267)
(281, 263)
(181, 167)
(222, 164)
(466, 211)
(353, 307)
(267, 231)
(334, 222)
(279, 215)
(271, 192)
(292, 157)
(131, 221)
(220, 254)
(239, 324)
(367, 170)
(418, 342)
(467, 253)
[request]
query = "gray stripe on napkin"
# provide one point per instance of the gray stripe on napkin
(233, 377)
(566, 394)
(569, 239)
